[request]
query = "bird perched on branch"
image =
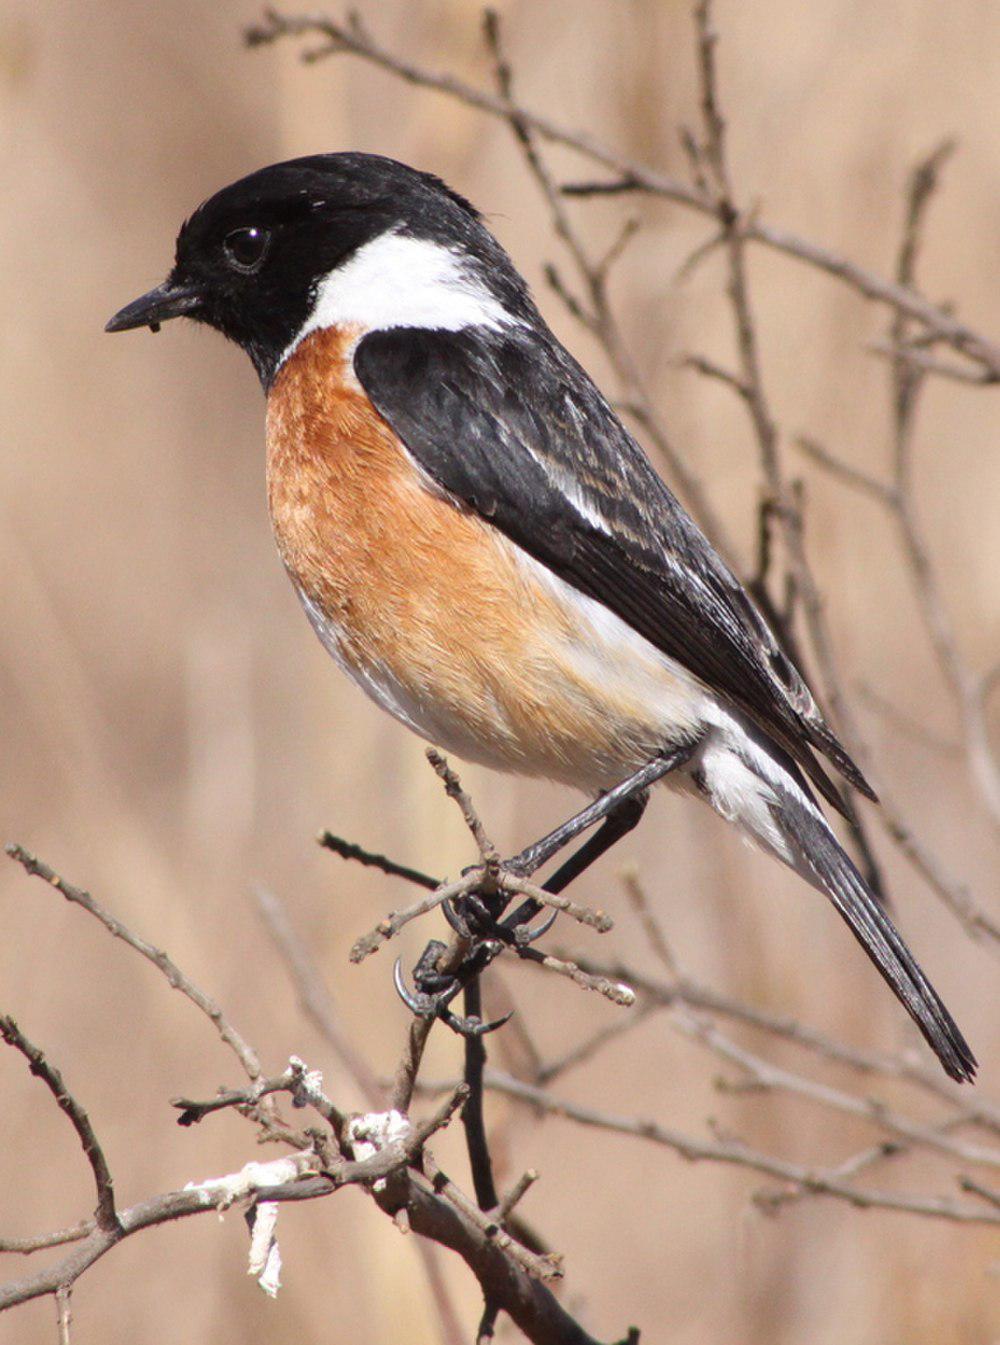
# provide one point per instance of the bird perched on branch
(481, 544)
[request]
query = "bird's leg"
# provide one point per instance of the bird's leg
(619, 811)
(541, 851)
(473, 1119)
(622, 819)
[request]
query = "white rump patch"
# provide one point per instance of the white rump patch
(398, 281)
(740, 777)
(739, 794)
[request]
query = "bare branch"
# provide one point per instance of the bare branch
(851, 476)
(816, 1181)
(692, 994)
(194, 1199)
(453, 788)
(303, 1085)
(589, 1046)
(954, 894)
(539, 1267)
(515, 1194)
(348, 850)
(652, 927)
(930, 364)
(59, 1238)
(584, 915)
(107, 1219)
(390, 926)
(64, 1315)
(615, 991)
(763, 1075)
(631, 174)
(175, 977)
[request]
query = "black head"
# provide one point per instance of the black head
(249, 261)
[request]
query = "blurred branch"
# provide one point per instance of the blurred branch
(816, 1181)
(971, 691)
(682, 990)
(314, 997)
(763, 1076)
(597, 315)
(352, 38)
(784, 501)
(58, 1238)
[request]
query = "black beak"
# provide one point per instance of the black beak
(169, 300)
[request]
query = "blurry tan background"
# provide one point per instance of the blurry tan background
(172, 732)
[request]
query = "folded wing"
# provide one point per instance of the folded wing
(512, 427)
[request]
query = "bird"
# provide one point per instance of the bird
(478, 540)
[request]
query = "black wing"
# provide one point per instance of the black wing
(512, 426)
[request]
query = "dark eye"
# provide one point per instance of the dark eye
(246, 248)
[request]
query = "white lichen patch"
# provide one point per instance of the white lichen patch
(265, 1257)
(375, 1131)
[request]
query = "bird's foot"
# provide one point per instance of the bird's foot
(479, 919)
(482, 919)
(435, 990)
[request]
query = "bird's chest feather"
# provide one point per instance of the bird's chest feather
(393, 565)
(440, 618)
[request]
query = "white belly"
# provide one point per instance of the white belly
(586, 705)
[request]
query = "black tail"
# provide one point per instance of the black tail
(818, 856)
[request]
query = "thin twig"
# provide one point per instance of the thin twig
(816, 1181)
(175, 977)
(584, 915)
(587, 1048)
(843, 471)
(314, 996)
(615, 991)
(303, 1085)
(59, 1238)
(930, 364)
(632, 175)
(390, 925)
(453, 788)
(693, 994)
(515, 1195)
(773, 1198)
(764, 1075)
(977, 1189)
(348, 850)
(546, 1267)
(954, 895)
(64, 1316)
(107, 1219)
(652, 928)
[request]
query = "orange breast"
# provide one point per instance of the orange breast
(433, 611)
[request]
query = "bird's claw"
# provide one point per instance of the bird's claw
(471, 918)
(425, 1003)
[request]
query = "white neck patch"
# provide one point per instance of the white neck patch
(399, 281)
